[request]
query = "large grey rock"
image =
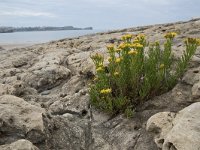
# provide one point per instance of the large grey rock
(192, 76)
(75, 104)
(46, 78)
(47, 71)
(76, 60)
(17, 88)
(179, 131)
(74, 85)
(67, 133)
(20, 119)
(3, 89)
(19, 145)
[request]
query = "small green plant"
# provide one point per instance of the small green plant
(133, 76)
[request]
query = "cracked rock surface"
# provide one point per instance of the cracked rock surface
(44, 101)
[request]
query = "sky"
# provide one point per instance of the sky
(100, 14)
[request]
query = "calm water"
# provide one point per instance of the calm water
(41, 36)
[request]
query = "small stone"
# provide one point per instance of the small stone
(179, 93)
(196, 90)
(45, 92)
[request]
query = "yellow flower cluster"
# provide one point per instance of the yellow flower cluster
(124, 45)
(129, 45)
(132, 52)
(118, 50)
(135, 41)
(170, 35)
(110, 47)
(136, 45)
(192, 41)
(127, 37)
(106, 91)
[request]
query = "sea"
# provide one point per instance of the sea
(41, 36)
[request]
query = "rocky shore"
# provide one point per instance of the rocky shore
(44, 101)
(13, 46)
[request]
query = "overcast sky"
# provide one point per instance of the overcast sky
(100, 14)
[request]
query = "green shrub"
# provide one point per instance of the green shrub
(133, 76)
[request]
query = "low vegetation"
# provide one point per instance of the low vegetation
(136, 72)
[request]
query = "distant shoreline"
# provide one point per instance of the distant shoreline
(26, 29)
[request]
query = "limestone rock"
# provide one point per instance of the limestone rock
(76, 104)
(74, 85)
(75, 60)
(192, 76)
(179, 131)
(196, 90)
(68, 134)
(181, 93)
(160, 123)
(20, 63)
(19, 145)
(47, 71)
(47, 78)
(20, 119)
(3, 89)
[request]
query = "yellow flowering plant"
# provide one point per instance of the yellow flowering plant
(132, 77)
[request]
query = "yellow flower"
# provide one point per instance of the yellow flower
(116, 73)
(121, 46)
(118, 60)
(136, 45)
(109, 59)
(110, 48)
(135, 41)
(118, 50)
(106, 91)
(170, 35)
(132, 52)
(127, 37)
(99, 69)
(124, 46)
(192, 41)
(162, 66)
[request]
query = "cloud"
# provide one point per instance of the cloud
(157, 2)
(26, 14)
(96, 13)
